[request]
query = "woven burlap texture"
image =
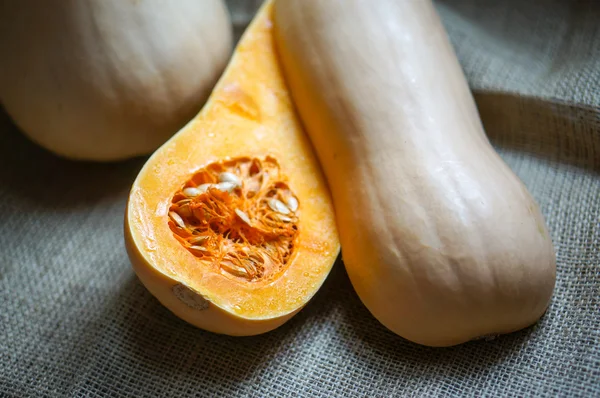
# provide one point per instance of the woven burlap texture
(75, 320)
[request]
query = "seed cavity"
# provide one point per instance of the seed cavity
(246, 245)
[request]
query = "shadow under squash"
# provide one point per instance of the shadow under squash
(38, 177)
(379, 345)
(154, 341)
(554, 131)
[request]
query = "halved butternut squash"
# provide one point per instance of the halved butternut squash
(230, 223)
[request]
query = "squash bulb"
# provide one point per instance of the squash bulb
(108, 79)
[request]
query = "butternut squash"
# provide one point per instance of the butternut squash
(441, 240)
(109, 79)
(230, 223)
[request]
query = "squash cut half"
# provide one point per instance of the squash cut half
(230, 224)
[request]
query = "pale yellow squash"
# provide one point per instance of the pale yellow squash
(441, 240)
(109, 79)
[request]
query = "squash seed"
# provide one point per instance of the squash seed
(251, 266)
(184, 211)
(243, 216)
(177, 219)
(284, 218)
(226, 186)
(204, 187)
(278, 206)
(229, 177)
(191, 192)
(234, 269)
(198, 239)
(199, 248)
(256, 259)
(292, 203)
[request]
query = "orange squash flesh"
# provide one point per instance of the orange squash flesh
(248, 118)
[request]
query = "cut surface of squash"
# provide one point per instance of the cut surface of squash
(230, 223)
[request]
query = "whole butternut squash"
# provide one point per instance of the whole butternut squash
(109, 79)
(441, 240)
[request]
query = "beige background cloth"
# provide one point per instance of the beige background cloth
(75, 321)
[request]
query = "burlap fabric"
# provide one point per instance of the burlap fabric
(75, 321)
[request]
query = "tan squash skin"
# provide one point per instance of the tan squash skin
(248, 114)
(109, 79)
(441, 240)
